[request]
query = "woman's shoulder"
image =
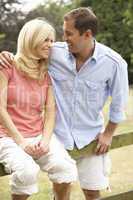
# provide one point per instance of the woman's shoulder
(8, 71)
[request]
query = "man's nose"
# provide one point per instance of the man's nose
(65, 38)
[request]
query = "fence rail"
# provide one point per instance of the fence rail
(122, 196)
(118, 141)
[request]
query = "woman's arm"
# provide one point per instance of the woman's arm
(49, 114)
(4, 116)
(42, 147)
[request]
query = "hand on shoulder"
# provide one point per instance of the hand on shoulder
(6, 59)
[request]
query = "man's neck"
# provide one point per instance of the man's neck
(84, 55)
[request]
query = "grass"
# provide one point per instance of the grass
(121, 178)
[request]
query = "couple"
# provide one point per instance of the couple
(83, 73)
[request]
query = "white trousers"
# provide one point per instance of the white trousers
(61, 168)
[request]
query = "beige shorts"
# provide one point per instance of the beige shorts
(24, 169)
(93, 172)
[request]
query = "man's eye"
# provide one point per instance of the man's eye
(68, 34)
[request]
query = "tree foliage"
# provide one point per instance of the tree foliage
(115, 26)
(115, 22)
(11, 19)
(53, 12)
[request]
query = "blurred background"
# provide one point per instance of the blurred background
(115, 21)
(115, 30)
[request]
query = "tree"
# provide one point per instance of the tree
(11, 20)
(115, 26)
(53, 12)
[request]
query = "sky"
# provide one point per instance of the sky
(30, 4)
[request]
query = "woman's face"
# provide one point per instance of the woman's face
(43, 50)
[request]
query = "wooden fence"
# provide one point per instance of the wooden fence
(118, 141)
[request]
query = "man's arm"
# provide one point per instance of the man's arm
(6, 59)
(119, 92)
(105, 139)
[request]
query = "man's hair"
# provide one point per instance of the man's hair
(84, 19)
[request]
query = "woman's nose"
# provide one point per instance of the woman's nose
(50, 44)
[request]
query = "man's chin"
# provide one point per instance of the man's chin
(71, 49)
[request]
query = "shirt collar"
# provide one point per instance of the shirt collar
(95, 53)
(94, 57)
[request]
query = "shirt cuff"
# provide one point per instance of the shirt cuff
(117, 117)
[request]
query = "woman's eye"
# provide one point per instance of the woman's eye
(46, 40)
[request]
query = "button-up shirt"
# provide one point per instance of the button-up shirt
(81, 96)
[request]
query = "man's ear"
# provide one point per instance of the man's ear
(88, 34)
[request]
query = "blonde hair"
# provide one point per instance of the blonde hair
(32, 34)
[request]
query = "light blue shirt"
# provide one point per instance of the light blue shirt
(80, 96)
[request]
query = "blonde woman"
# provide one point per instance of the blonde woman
(27, 115)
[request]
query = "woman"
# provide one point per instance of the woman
(27, 115)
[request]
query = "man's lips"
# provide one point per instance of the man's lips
(70, 45)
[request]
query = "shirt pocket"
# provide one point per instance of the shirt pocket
(96, 92)
(63, 82)
(93, 90)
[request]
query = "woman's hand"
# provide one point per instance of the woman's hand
(36, 150)
(42, 147)
(29, 148)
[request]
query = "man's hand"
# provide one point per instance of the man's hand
(104, 141)
(6, 59)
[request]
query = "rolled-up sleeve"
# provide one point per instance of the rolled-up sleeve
(119, 90)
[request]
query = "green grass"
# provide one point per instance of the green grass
(121, 178)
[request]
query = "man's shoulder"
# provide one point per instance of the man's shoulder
(111, 54)
(58, 55)
(62, 45)
(59, 48)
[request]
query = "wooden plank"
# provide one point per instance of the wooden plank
(2, 171)
(122, 140)
(122, 196)
(118, 141)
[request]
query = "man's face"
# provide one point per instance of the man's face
(75, 41)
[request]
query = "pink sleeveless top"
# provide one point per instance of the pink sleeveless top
(25, 102)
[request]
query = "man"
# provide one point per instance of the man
(84, 74)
